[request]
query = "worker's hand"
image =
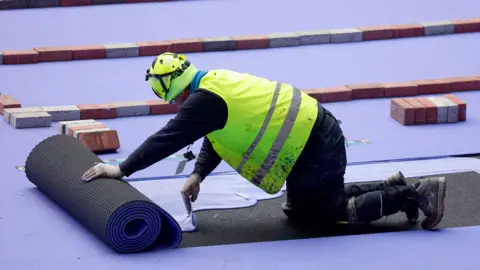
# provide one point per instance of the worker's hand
(191, 188)
(102, 170)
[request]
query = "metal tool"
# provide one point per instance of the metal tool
(188, 204)
(188, 155)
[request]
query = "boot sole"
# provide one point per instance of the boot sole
(442, 188)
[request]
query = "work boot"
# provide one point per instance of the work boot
(411, 210)
(396, 180)
(431, 195)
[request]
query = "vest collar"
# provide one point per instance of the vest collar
(196, 80)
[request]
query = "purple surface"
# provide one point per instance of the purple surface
(20, 247)
(36, 234)
(409, 59)
(393, 141)
(36, 245)
(364, 252)
(99, 81)
(390, 140)
(131, 23)
(23, 242)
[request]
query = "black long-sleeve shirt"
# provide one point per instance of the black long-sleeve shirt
(203, 112)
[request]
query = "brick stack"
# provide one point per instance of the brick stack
(95, 135)
(428, 110)
(29, 117)
(36, 117)
(8, 102)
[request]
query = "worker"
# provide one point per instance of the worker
(270, 133)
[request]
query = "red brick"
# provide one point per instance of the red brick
(407, 30)
(402, 111)
(140, 1)
(8, 102)
(363, 91)
(467, 26)
(97, 111)
(88, 52)
(187, 45)
(100, 141)
(330, 94)
(400, 89)
(48, 54)
(161, 107)
(72, 3)
(420, 111)
(320, 94)
(73, 128)
(154, 48)
(466, 83)
(251, 42)
(437, 86)
(377, 32)
(20, 57)
(431, 110)
(462, 107)
(145, 1)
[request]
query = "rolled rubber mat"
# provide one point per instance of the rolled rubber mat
(113, 210)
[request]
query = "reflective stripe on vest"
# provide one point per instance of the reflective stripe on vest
(281, 137)
(267, 128)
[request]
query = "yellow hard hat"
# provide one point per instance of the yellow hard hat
(169, 75)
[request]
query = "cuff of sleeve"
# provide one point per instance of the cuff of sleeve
(124, 169)
(199, 173)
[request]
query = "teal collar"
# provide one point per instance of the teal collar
(196, 80)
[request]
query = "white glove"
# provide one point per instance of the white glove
(102, 170)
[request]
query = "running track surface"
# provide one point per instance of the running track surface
(202, 18)
(105, 81)
(92, 81)
(442, 250)
(109, 80)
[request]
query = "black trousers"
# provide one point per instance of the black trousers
(316, 184)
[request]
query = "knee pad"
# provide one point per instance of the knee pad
(352, 210)
(365, 208)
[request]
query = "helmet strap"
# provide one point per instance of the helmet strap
(175, 74)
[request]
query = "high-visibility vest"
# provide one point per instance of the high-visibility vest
(267, 127)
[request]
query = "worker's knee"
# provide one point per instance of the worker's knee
(324, 206)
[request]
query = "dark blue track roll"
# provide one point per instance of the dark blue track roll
(112, 209)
